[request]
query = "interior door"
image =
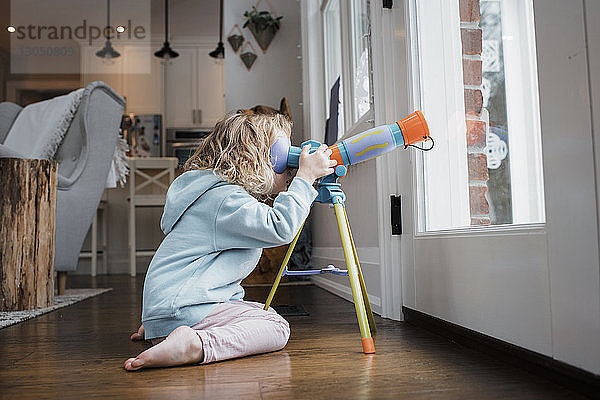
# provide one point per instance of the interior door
(533, 284)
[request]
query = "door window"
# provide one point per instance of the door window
(478, 90)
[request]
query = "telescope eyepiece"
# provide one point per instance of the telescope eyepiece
(279, 154)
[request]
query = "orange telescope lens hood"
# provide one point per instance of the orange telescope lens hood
(414, 128)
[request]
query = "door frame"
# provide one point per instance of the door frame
(390, 64)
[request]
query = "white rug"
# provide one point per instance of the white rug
(71, 296)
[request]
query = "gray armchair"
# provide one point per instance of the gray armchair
(84, 158)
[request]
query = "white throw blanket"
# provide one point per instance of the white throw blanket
(119, 169)
(40, 128)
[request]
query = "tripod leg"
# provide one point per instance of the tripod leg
(281, 269)
(359, 304)
(363, 287)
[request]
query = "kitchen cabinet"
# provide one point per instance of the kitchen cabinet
(188, 90)
(143, 91)
(136, 75)
(194, 88)
(94, 68)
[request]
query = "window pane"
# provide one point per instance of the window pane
(333, 56)
(362, 87)
(478, 81)
(494, 113)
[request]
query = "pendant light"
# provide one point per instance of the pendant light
(166, 52)
(108, 53)
(219, 52)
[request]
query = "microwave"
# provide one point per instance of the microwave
(182, 142)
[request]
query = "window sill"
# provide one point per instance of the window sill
(495, 230)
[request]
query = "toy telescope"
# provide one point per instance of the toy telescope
(363, 146)
(360, 147)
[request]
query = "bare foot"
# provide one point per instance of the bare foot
(139, 335)
(182, 346)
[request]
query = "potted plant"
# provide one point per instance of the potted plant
(235, 41)
(248, 56)
(263, 26)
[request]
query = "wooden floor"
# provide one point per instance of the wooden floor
(78, 352)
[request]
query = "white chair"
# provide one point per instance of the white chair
(103, 248)
(149, 179)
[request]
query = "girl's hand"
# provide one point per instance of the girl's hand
(315, 165)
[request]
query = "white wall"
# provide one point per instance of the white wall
(592, 9)
(592, 14)
(361, 206)
(274, 75)
(187, 18)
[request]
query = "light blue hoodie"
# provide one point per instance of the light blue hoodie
(215, 233)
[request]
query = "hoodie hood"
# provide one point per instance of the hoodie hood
(183, 192)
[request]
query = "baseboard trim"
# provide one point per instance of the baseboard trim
(345, 292)
(574, 378)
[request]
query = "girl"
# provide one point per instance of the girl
(215, 230)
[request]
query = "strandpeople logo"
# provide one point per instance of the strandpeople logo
(85, 32)
(80, 36)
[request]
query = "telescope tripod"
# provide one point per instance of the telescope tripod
(330, 192)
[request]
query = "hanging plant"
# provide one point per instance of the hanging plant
(236, 40)
(248, 55)
(263, 26)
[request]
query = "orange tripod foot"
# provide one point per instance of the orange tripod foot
(368, 345)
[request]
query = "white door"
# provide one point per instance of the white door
(180, 89)
(534, 283)
(211, 89)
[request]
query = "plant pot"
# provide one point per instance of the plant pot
(236, 42)
(263, 37)
(248, 59)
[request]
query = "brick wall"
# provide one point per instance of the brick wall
(471, 37)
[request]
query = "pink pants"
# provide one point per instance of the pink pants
(241, 328)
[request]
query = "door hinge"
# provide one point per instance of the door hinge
(396, 202)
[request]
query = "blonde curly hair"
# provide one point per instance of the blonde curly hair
(239, 150)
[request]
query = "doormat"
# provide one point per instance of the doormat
(71, 296)
(294, 310)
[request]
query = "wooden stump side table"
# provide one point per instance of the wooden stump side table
(27, 228)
